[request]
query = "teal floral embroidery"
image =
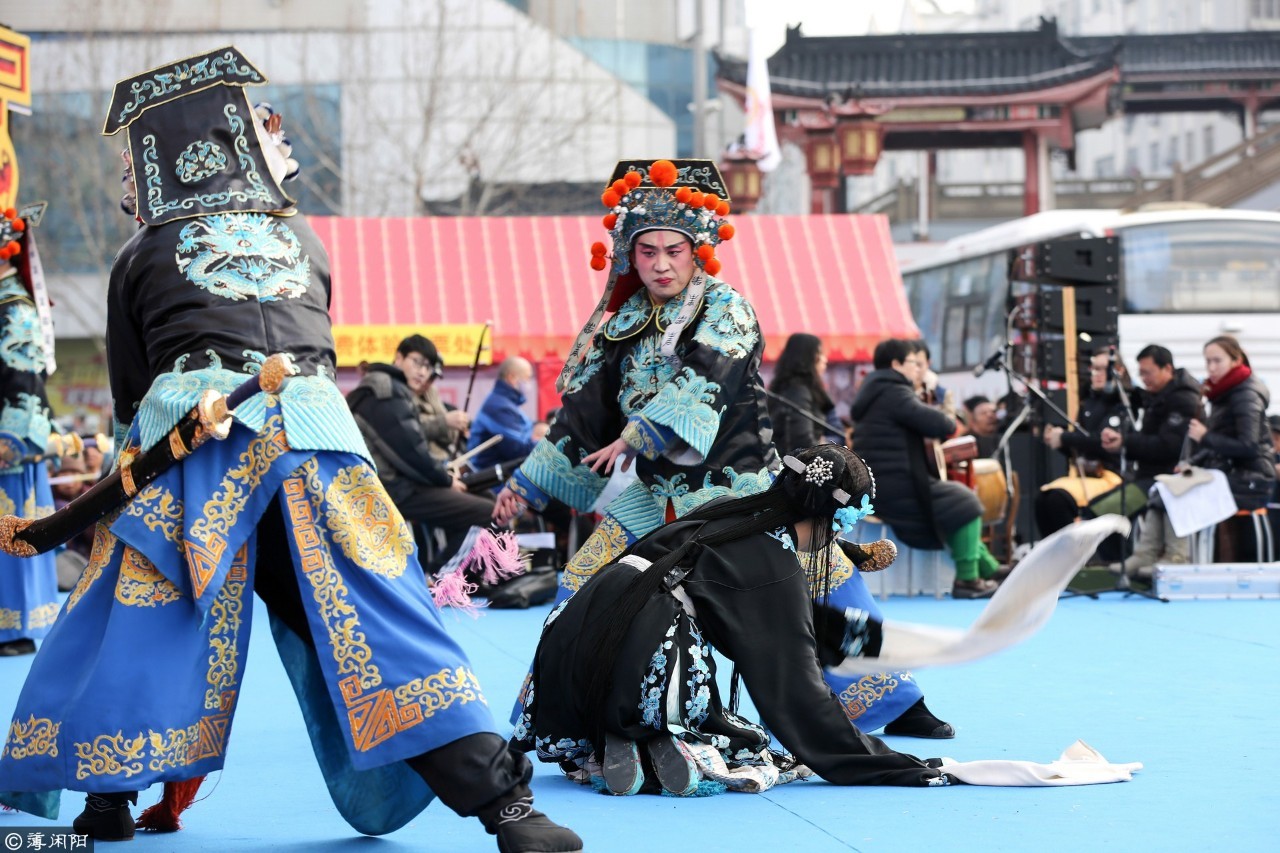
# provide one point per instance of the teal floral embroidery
(654, 686)
(784, 537)
(189, 76)
(728, 325)
(242, 255)
(631, 317)
(644, 372)
(21, 346)
(585, 369)
(549, 468)
(699, 678)
(199, 160)
(565, 749)
(685, 405)
(637, 509)
(29, 419)
(257, 191)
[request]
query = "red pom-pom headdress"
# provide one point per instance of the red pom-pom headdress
(688, 196)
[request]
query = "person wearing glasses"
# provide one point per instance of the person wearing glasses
(890, 426)
(386, 408)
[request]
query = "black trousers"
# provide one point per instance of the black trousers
(466, 774)
(453, 512)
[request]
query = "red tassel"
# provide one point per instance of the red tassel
(164, 815)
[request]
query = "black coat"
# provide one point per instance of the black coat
(387, 414)
(791, 429)
(1098, 410)
(1157, 447)
(890, 425)
(1239, 442)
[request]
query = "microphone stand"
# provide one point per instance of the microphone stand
(1002, 364)
(1123, 584)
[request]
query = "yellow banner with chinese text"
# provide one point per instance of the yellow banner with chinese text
(456, 343)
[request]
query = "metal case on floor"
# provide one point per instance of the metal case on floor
(1217, 580)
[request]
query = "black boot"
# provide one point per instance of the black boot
(13, 648)
(106, 817)
(523, 829)
(919, 721)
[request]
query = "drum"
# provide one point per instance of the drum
(992, 489)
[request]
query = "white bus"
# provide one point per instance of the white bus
(1186, 276)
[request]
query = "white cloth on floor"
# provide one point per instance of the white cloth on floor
(1079, 764)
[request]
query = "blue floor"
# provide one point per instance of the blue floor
(1190, 689)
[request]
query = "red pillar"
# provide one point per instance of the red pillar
(822, 200)
(1031, 181)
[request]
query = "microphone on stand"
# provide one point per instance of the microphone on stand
(992, 363)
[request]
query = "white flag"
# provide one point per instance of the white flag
(760, 137)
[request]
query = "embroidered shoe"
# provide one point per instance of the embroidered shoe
(106, 817)
(623, 774)
(521, 828)
(676, 772)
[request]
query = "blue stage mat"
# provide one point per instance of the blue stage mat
(1189, 689)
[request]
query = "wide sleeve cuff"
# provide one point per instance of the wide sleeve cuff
(523, 487)
(684, 408)
(552, 474)
(646, 437)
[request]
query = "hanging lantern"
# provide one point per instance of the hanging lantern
(860, 145)
(823, 157)
(744, 180)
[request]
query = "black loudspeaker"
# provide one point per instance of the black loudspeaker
(1097, 310)
(1075, 261)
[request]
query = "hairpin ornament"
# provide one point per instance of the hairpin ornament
(819, 472)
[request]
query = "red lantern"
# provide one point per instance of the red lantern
(744, 180)
(823, 156)
(860, 145)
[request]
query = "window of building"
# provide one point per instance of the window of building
(1208, 141)
(1153, 160)
(1105, 167)
(1191, 147)
(1264, 9)
(1174, 160)
(1131, 163)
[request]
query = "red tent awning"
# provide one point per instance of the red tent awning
(830, 275)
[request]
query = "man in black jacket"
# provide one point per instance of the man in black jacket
(422, 488)
(1171, 400)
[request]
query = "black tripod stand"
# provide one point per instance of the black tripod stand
(1125, 424)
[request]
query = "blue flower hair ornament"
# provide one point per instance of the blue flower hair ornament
(848, 516)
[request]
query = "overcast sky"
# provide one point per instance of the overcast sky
(770, 18)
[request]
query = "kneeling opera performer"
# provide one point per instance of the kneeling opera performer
(624, 691)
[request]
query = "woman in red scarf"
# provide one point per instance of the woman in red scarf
(1236, 438)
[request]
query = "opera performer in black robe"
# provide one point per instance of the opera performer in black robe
(624, 691)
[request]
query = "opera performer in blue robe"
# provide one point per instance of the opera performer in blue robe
(28, 585)
(669, 386)
(222, 272)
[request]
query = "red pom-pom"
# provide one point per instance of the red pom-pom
(610, 220)
(610, 198)
(19, 225)
(633, 179)
(598, 262)
(726, 231)
(722, 209)
(695, 199)
(710, 200)
(712, 266)
(10, 213)
(705, 252)
(663, 173)
(598, 249)
(620, 187)
(13, 247)
(684, 194)
(5, 253)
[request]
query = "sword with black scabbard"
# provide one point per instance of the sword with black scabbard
(211, 418)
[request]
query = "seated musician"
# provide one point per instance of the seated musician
(422, 488)
(1094, 472)
(890, 426)
(983, 424)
